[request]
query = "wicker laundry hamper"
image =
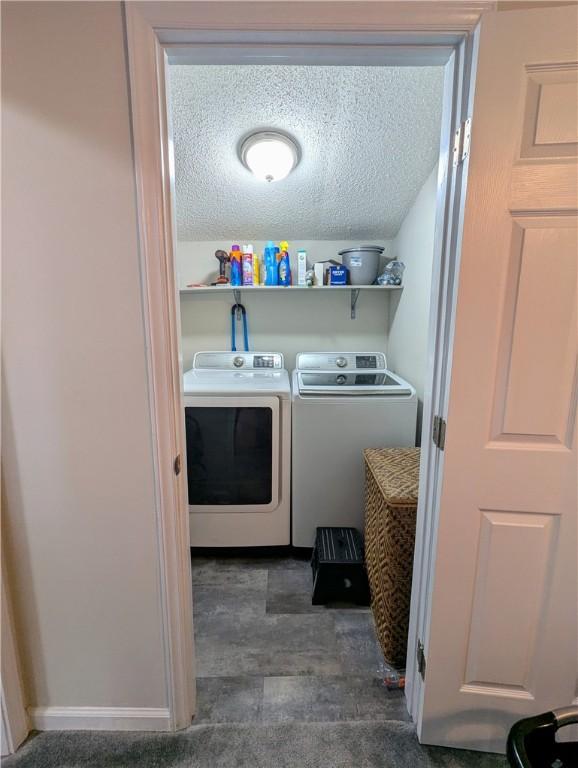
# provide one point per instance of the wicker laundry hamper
(391, 488)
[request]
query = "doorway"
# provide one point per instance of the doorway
(399, 195)
(264, 651)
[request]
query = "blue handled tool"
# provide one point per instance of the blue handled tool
(238, 310)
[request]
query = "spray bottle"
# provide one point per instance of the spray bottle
(248, 264)
(236, 269)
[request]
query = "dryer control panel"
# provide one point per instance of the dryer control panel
(341, 361)
(236, 361)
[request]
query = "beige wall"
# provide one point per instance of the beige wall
(278, 322)
(78, 476)
(409, 310)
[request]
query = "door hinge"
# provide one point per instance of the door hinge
(462, 139)
(421, 663)
(439, 432)
(177, 464)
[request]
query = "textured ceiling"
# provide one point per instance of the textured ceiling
(369, 138)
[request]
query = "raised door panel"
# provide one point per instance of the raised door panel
(536, 381)
(509, 605)
(550, 122)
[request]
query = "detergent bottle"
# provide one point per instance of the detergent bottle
(248, 264)
(271, 271)
(284, 264)
(236, 268)
(256, 269)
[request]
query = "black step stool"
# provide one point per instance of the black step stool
(338, 567)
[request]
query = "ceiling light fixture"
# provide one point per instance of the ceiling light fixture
(270, 155)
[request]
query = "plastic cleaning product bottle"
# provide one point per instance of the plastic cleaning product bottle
(272, 273)
(256, 269)
(301, 267)
(263, 270)
(248, 264)
(284, 264)
(236, 269)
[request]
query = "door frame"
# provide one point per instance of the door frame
(15, 724)
(412, 32)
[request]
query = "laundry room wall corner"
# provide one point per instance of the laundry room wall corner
(409, 310)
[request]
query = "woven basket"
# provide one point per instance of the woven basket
(391, 487)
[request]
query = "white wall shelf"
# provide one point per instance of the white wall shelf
(237, 291)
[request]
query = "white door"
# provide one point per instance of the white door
(502, 640)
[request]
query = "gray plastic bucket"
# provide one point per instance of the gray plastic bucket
(362, 263)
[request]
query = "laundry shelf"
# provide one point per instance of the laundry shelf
(287, 288)
(237, 291)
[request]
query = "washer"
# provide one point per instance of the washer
(238, 434)
(342, 403)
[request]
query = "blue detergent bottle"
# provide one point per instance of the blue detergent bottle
(284, 264)
(271, 271)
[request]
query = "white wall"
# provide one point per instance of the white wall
(278, 321)
(77, 469)
(409, 309)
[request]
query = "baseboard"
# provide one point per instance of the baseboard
(99, 719)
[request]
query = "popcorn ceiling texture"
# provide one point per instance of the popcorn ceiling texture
(369, 138)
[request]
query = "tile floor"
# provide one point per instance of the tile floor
(265, 654)
(281, 684)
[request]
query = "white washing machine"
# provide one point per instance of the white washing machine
(342, 403)
(238, 434)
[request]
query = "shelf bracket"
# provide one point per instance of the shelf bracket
(354, 297)
(237, 297)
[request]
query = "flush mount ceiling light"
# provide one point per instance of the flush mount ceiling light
(270, 155)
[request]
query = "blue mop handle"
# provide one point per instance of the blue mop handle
(243, 311)
(245, 330)
(233, 332)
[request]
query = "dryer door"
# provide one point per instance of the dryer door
(232, 453)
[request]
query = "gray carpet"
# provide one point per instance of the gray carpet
(292, 745)
(280, 683)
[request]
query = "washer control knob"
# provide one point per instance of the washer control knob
(341, 362)
(238, 362)
(341, 379)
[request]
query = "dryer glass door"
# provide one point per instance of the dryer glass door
(232, 453)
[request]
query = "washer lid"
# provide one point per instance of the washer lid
(352, 383)
(251, 382)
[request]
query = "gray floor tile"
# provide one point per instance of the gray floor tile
(358, 647)
(249, 563)
(272, 645)
(330, 699)
(289, 591)
(227, 604)
(207, 572)
(229, 700)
